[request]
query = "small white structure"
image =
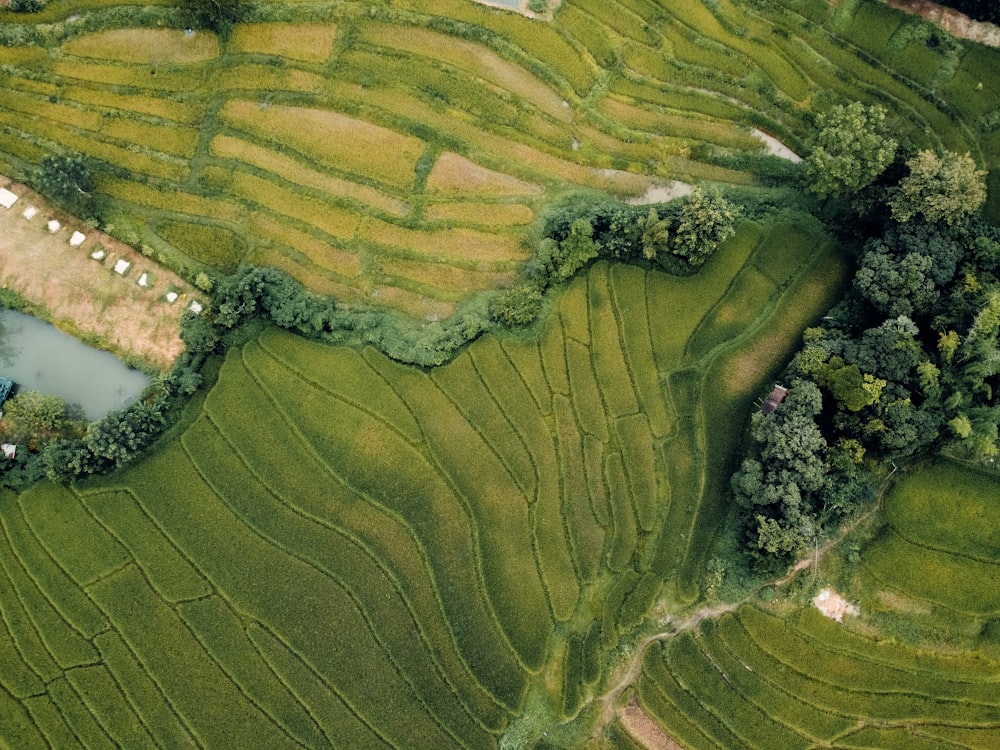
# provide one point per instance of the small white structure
(122, 266)
(195, 306)
(8, 450)
(53, 226)
(143, 280)
(99, 254)
(30, 212)
(77, 239)
(7, 198)
(171, 297)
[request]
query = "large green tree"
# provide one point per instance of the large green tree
(704, 220)
(31, 415)
(68, 179)
(851, 148)
(940, 187)
(216, 15)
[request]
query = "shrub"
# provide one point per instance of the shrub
(519, 306)
(26, 6)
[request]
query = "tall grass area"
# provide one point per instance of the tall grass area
(333, 531)
(328, 124)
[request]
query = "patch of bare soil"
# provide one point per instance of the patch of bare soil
(834, 606)
(86, 297)
(955, 23)
(644, 730)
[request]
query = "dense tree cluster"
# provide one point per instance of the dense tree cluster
(939, 187)
(58, 443)
(850, 149)
(908, 362)
(26, 6)
(31, 417)
(678, 236)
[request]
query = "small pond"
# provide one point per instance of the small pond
(39, 357)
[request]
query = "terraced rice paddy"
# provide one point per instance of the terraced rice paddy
(336, 550)
(341, 550)
(934, 574)
(358, 136)
(752, 679)
(757, 678)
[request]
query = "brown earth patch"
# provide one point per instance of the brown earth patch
(84, 296)
(643, 729)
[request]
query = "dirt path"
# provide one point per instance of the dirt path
(951, 20)
(86, 297)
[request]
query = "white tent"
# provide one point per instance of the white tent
(122, 266)
(53, 226)
(77, 239)
(7, 198)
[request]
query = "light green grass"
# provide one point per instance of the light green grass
(970, 527)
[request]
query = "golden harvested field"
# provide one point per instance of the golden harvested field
(306, 42)
(298, 173)
(481, 214)
(454, 175)
(338, 142)
(146, 46)
(461, 245)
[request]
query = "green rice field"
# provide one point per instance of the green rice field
(355, 135)
(780, 677)
(339, 550)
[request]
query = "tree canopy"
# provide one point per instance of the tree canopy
(851, 148)
(704, 221)
(215, 15)
(940, 187)
(69, 180)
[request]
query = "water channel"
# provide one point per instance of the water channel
(39, 357)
